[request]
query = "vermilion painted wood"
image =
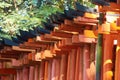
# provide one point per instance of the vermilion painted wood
(55, 49)
(82, 39)
(49, 69)
(84, 23)
(81, 63)
(69, 22)
(46, 71)
(61, 34)
(14, 56)
(25, 73)
(42, 68)
(44, 42)
(7, 71)
(78, 23)
(68, 67)
(66, 44)
(30, 40)
(86, 61)
(33, 44)
(113, 7)
(6, 54)
(70, 28)
(17, 48)
(31, 73)
(7, 77)
(118, 21)
(59, 53)
(48, 54)
(1, 65)
(39, 71)
(18, 75)
(63, 67)
(53, 69)
(92, 61)
(49, 37)
(90, 15)
(118, 65)
(118, 1)
(21, 75)
(15, 77)
(86, 20)
(107, 57)
(57, 75)
(117, 62)
(90, 34)
(71, 65)
(66, 41)
(77, 73)
(36, 72)
(67, 47)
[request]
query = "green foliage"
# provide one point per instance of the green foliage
(88, 4)
(26, 14)
(4, 35)
(3, 4)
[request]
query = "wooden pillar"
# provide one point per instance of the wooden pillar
(12, 77)
(21, 74)
(63, 67)
(107, 57)
(99, 57)
(31, 73)
(57, 75)
(118, 1)
(68, 67)
(15, 76)
(53, 69)
(1, 65)
(41, 73)
(36, 72)
(86, 61)
(77, 68)
(49, 69)
(92, 61)
(71, 65)
(18, 75)
(79, 64)
(118, 19)
(117, 62)
(25, 73)
(46, 71)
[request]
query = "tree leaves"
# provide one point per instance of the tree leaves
(4, 4)
(30, 13)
